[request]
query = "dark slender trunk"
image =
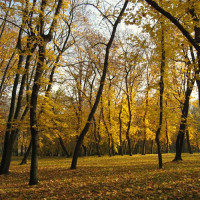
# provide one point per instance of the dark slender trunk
(108, 133)
(120, 132)
(24, 160)
(22, 150)
(144, 147)
(128, 140)
(87, 125)
(63, 146)
(167, 137)
(151, 146)
(145, 115)
(162, 70)
(128, 96)
(97, 136)
(33, 119)
(188, 142)
(112, 145)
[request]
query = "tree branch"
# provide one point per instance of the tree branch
(175, 22)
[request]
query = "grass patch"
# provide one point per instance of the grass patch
(119, 177)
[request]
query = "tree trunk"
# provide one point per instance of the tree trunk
(97, 136)
(24, 160)
(108, 133)
(33, 119)
(120, 132)
(167, 137)
(197, 142)
(151, 146)
(188, 142)
(162, 70)
(36, 86)
(128, 96)
(87, 125)
(63, 146)
(144, 147)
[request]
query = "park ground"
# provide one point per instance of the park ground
(119, 177)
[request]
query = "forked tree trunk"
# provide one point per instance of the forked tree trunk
(10, 136)
(36, 86)
(182, 129)
(103, 77)
(8, 145)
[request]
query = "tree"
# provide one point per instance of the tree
(45, 39)
(100, 90)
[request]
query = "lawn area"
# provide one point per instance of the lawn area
(119, 177)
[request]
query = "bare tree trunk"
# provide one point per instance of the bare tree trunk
(197, 142)
(128, 96)
(24, 160)
(188, 142)
(120, 132)
(144, 146)
(63, 146)
(167, 137)
(162, 70)
(97, 136)
(151, 146)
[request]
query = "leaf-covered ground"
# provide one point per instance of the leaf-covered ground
(119, 177)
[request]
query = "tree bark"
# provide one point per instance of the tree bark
(97, 136)
(24, 160)
(188, 141)
(63, 146)
(162, 70)
(151, 146)
(120, 133)
(128, 96)
(167, 137)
